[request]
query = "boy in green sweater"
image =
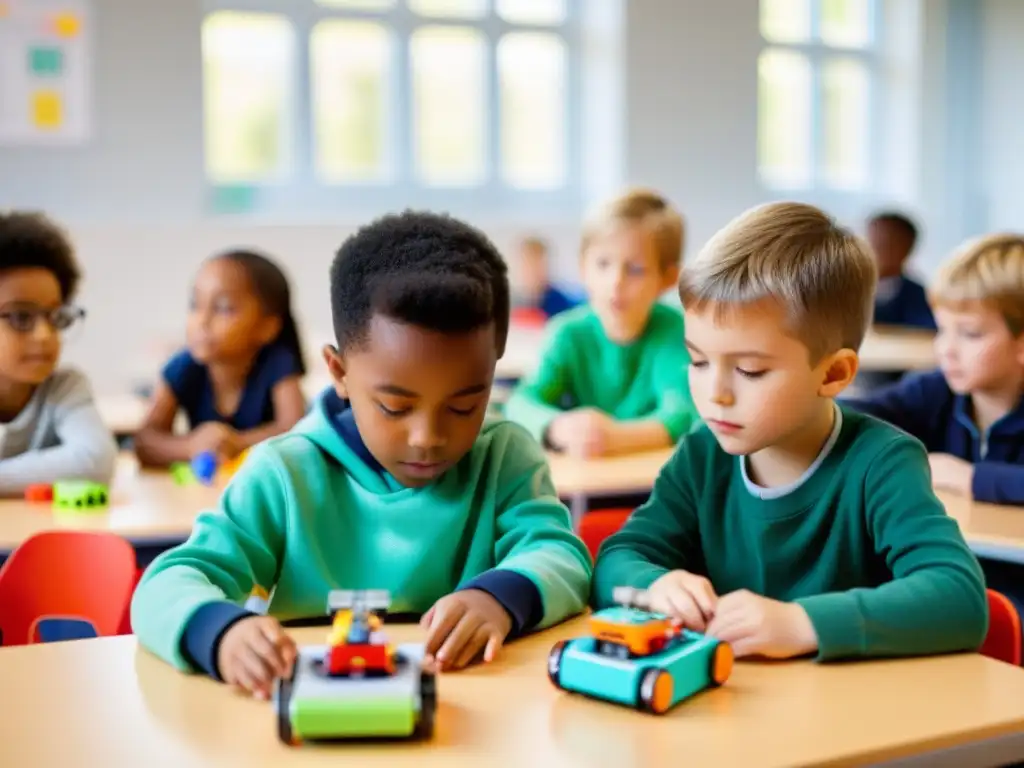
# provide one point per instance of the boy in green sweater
(786, 525)
(612, 374)
(393, 481)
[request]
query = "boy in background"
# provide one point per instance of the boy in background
(535, 290)
(899, 300)
(787, 525)
(50, 428)
(612, 374)
(392, 482)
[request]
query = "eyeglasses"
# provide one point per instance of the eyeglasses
(25, 319)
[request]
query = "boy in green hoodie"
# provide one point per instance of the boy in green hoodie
(393, 481)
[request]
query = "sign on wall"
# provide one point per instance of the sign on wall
(45, 61)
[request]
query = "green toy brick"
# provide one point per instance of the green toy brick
(80, 495)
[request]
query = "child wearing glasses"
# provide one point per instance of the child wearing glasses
(239, 380)
(50, 428)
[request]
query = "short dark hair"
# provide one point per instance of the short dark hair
(424, 269)
(899, 220)
(29, 239)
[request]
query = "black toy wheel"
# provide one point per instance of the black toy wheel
(284, 721)
(428, 706)
(555, 662)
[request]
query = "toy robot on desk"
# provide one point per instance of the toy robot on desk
(71, 495)
(639, 658)
(358, 685)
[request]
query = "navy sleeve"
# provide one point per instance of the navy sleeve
(909, 404)
(280, 363)
(180, 375)
(998, 483)
(517, 595)
(201, 640)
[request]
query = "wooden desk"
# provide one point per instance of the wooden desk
(146, 507)
(897, 349)
(106, 702)
(628, 473)
(991, 530)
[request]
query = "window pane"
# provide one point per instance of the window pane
(786, 21)
(845, 122)
(846, 23)
(531, 67)
(449, 114)
(248, 64)
(784, 119)
(362, 5)
(463, 9)
(532, 11)
(350, 64)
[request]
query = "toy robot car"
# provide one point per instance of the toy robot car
(80, 496)
(639, 658)
(357, 686)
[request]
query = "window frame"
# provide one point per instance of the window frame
(818, 54)
(302, 195)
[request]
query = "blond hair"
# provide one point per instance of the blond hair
(988, 271)
(645, 208)
(820, 273)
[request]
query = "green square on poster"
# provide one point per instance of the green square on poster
(46, 61)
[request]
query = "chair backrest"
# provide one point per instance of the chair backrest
(597, 525)
(66, 574)
(1004, 638)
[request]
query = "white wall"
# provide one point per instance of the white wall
(1003, 113)
(135, 198)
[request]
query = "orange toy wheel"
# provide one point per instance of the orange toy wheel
(721, 663)
(656, 691)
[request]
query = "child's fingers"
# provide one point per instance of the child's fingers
(494, 643)
(704, 595)
(271, 651)
(472, 648)
(259, 669)
(458, 638)
(685, 608)
(428, 617)
(444, 620)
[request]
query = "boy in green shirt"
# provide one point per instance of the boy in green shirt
(787, 525)
(393, 481)
(612, 374)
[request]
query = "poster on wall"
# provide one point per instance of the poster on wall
(45, 83)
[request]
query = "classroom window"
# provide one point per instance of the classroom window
(816, 82)
(411, 98)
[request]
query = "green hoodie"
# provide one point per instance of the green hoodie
(307, 514)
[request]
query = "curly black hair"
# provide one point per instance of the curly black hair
(900, 221)
(425, 269)
(32, 240)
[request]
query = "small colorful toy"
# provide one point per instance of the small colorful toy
(358, 686)
(639, 658)
(206, 469)
(80, 496)
(40, 492)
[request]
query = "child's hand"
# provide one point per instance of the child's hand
(950, 473)
(253, 653)
(758, 626)
(582, 433)
(217, 438)
(462, 624)
(685, 596)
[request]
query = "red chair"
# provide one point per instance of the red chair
(65, 575)
(598, 525)
(1004, 637)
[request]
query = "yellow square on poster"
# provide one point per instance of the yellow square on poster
(66, 25)
(47, 110)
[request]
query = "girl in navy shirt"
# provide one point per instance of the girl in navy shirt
(238, 381)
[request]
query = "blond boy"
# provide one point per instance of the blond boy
(611, 377)
(787, 525)
(970, 412)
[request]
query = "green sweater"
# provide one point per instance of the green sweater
(581, 365)
(863, 544)
(307, 514)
